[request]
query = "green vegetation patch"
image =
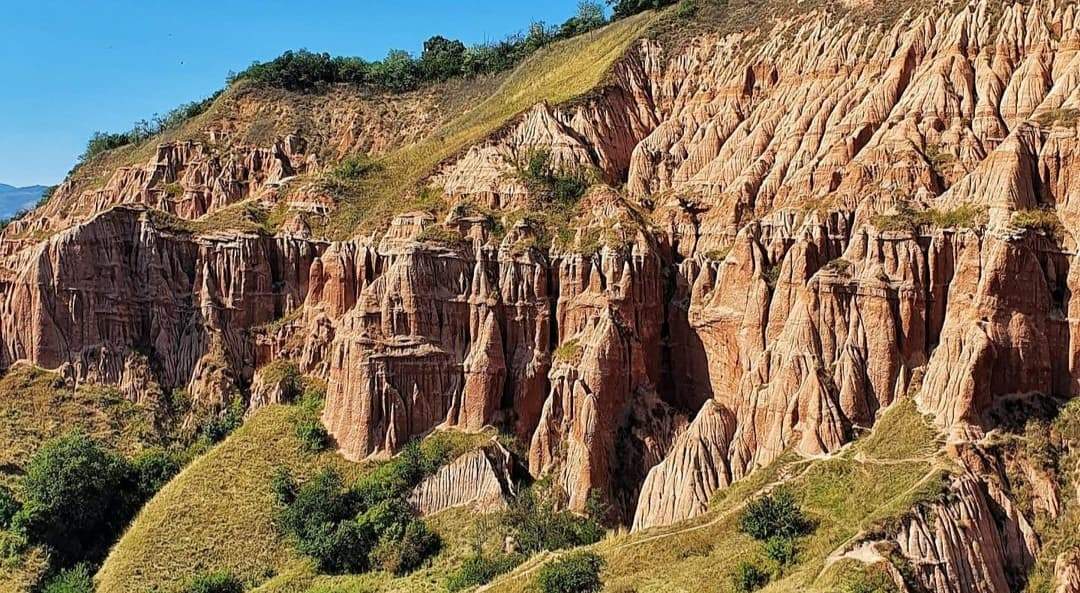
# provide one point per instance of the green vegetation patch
(907, 218)
(1041, 220)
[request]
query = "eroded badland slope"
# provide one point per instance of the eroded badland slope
(823, 246)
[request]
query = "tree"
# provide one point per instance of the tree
(442, 59)
(590, 15)
(397, 72)
(577, 572)
(774, 516)
(77, 497)
(625, 8)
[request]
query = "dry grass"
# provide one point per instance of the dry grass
(36, 407)
(218, 513)
(565, 71)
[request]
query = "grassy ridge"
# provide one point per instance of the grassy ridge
(217, 514)
(556, 74)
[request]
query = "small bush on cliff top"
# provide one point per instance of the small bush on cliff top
(1040, 220)
(907, 218)
(577, 572)
(625, 8)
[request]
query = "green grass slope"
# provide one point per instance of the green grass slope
(217, 513)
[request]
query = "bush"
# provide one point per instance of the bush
(338, 548)
(577, 572)
(79, 579)
(774, 516)
(9, 506)
(143, 130)
(153, 469)
(215, 582)
(400, 555)
(551, 186)
(782, 550)
(355, 167)
(537, 523)
(625, 8)
(481, 570)
(77, 498)
(371, 524)
(221, 425)
(1042, 221)
(313, 435)
(749, 577)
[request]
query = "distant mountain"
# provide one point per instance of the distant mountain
(13, 199)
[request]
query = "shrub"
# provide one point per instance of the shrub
(355, 167)
(577, 572)
(1039, 220)
(774, 516)
(313, 435)
(538, 525)
(215, 582)
(338, 548)
(77, 497)
(400, 555)
(9, 506)
(371, 524)
(687, 9)
(781, 550)
(153, 469)
(551, 186)
(749, 577)
(625, 8)
(79, 579)
(221, 425)
(481, 570)
(906, 218)
(142, 130)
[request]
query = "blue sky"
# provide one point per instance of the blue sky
(75, 66)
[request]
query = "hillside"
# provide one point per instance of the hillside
(695, 261)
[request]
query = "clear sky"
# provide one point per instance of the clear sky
(71, 67)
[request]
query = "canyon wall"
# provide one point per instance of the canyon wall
(791, 228)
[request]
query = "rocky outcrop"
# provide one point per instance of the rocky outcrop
(1067, 572)
(957, 547)
(481, 480)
